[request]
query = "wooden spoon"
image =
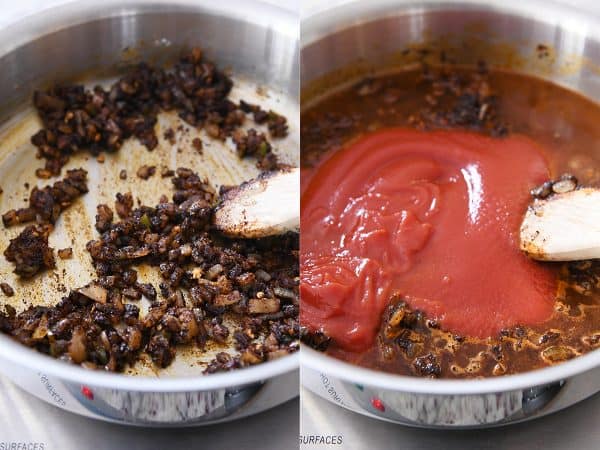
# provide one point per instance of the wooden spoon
(563, 227)
(265, 206)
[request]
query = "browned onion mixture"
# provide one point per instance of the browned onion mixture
(208, 281)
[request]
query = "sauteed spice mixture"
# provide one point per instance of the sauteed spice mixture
(46, 204)
(566, 183)
(7, 289)
(497, 104)
(101, 120)
(65, 253)
(463, 100)
(75, 118)
(206, 278)
(29, 250)
(214, 290)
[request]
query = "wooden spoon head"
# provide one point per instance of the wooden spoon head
(266, 206)
(563, 227)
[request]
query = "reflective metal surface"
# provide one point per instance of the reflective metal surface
(576, 428)
(96, 40)
(358, 38)
(430, 403)
(150, 408)
(250, 37)
(31, 420)
(169, 402)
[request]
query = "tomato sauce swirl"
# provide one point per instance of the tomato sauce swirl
(433, 216)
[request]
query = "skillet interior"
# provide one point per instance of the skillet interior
(341, 45)
(247, 48)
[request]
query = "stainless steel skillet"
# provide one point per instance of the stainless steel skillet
(351, 39)
(93, 42)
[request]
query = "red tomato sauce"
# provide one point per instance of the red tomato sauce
(433, 216)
